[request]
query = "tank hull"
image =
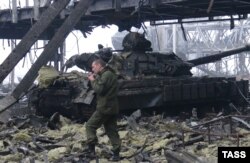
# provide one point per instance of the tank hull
(160, 92)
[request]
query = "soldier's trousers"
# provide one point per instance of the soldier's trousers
(110, 126)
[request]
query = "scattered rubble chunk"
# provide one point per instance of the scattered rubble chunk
(22, 136)
(17, 157)
(57, 153)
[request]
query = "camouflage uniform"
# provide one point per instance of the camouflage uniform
(105, 86)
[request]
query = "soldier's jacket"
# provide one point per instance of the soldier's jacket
(105, 86)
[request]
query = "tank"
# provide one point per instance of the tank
(147, 80)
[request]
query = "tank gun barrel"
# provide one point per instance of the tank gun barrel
(216, 57)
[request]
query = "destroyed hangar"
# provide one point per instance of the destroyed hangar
(154, 79)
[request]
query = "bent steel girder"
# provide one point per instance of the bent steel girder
(31, 37)
(46, 55)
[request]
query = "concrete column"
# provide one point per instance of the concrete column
(36, 9)
(27, 3)
(12, 74)
(14, 11)
(175, 38)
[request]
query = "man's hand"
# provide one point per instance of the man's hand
(91, 76)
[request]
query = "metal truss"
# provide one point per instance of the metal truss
(201, 39)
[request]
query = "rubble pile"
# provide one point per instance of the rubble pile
(144, 139)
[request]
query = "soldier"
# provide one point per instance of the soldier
(104, 83)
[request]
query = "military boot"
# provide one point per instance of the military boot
(115, 156)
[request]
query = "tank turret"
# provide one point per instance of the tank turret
(137, 59)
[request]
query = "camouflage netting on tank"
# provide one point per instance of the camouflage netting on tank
(46, 76)
(74, 77)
